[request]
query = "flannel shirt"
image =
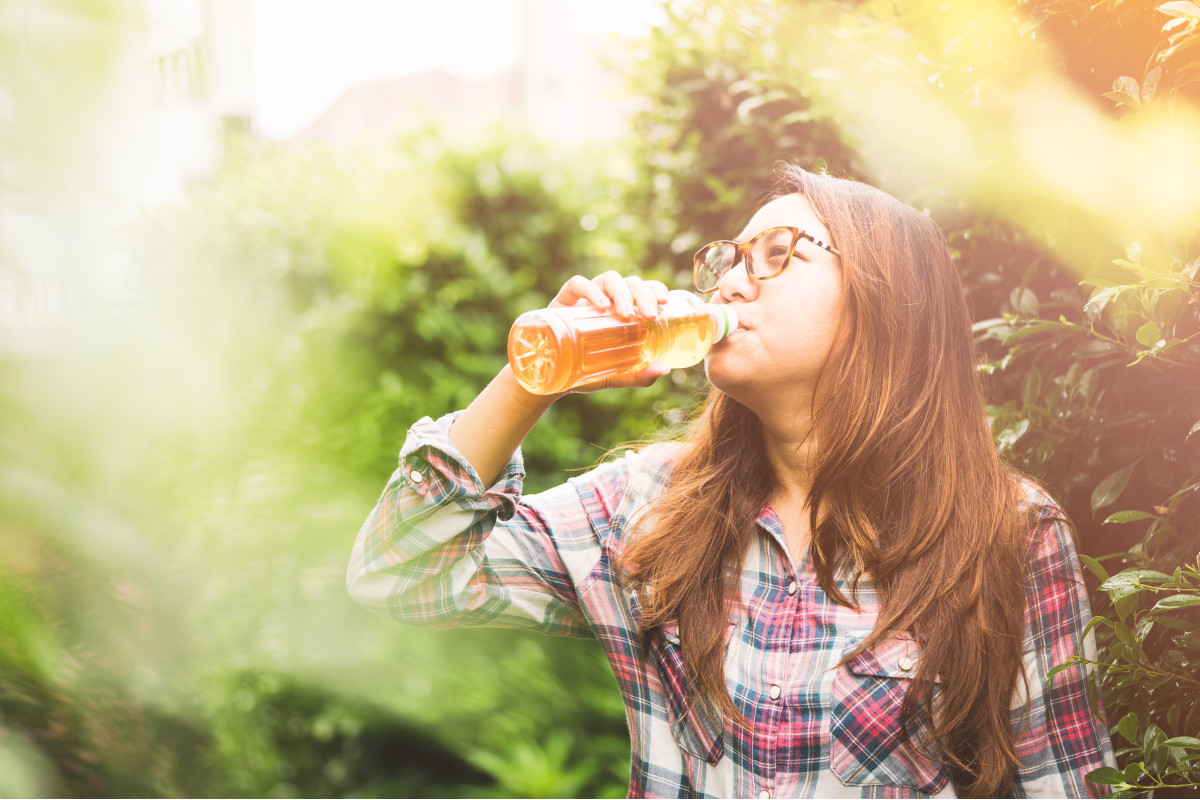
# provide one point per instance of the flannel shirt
(442, 549)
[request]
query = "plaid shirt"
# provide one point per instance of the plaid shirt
(441, 549)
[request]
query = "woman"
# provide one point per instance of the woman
(834, 587)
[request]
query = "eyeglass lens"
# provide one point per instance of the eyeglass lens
(767, 255)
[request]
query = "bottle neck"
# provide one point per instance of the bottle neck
(724, 320)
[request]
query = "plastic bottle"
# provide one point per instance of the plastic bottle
(555, 349)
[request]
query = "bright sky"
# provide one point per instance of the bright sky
(305, 53)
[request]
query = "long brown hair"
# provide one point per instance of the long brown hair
(908, 490)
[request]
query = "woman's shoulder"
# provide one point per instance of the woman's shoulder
(644, 469)
(1032, 497)
(642, 472)
(1051, 536)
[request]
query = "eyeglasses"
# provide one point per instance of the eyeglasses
(766, 255)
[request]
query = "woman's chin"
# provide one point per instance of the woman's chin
(723, 374)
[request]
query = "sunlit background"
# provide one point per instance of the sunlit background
(244, 244)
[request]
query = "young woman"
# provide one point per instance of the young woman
(833, 587)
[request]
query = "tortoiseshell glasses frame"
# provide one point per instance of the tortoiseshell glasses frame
(766, 255)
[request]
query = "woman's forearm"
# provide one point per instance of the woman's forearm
(495, 424)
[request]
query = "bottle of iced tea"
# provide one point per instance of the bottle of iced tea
(555, 349)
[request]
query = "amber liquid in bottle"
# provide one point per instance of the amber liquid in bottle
(553, 350)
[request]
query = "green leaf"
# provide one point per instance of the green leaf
(1188, 742)
(1106, 776)
(1087, 384)
(1129, 516)
(1145, 576)
(1140, 576)
(1147, 334)
(1056, 670)
(1126, 604)
(1031, 387)
(1033, 329)
(1128, 726)
(1190, 640)
(1012, 434)
(1178, 601)
(1109, 489)
(1153, 739)
(1094, 567)
(1181, 8)
(1100, 299)
(1023, 300)
(1095, 348)
(1127, 84)
(1123, 99)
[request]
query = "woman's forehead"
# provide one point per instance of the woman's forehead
(791, 209)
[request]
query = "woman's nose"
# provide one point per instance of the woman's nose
(736, 284)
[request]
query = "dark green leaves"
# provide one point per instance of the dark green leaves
(1178, 601)
(1109, 489)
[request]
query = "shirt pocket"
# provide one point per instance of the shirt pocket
(865, 743)
(697, 726)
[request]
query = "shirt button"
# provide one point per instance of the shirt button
(905, 663)
(416, 477)
(775, 692)
(764, 795)
(792, 587)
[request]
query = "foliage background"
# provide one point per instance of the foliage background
(182, 479)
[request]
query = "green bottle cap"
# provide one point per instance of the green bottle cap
(725, 319)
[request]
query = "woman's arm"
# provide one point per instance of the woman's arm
(495, 424)
(451, 541)
(1059, 738)
(442, 549)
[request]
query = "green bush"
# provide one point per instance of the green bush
(298, 312)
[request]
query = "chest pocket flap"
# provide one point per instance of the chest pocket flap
(865, 742)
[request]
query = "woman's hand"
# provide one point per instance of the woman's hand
(627, 297)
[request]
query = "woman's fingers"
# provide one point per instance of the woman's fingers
(646, 295)
(642, 379)
(579, 289)
(626, 296)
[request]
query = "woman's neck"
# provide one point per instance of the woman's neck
(792, 457)
(791, 447)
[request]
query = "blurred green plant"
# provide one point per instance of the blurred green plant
(297, 314)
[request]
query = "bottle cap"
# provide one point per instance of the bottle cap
(725, 319)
